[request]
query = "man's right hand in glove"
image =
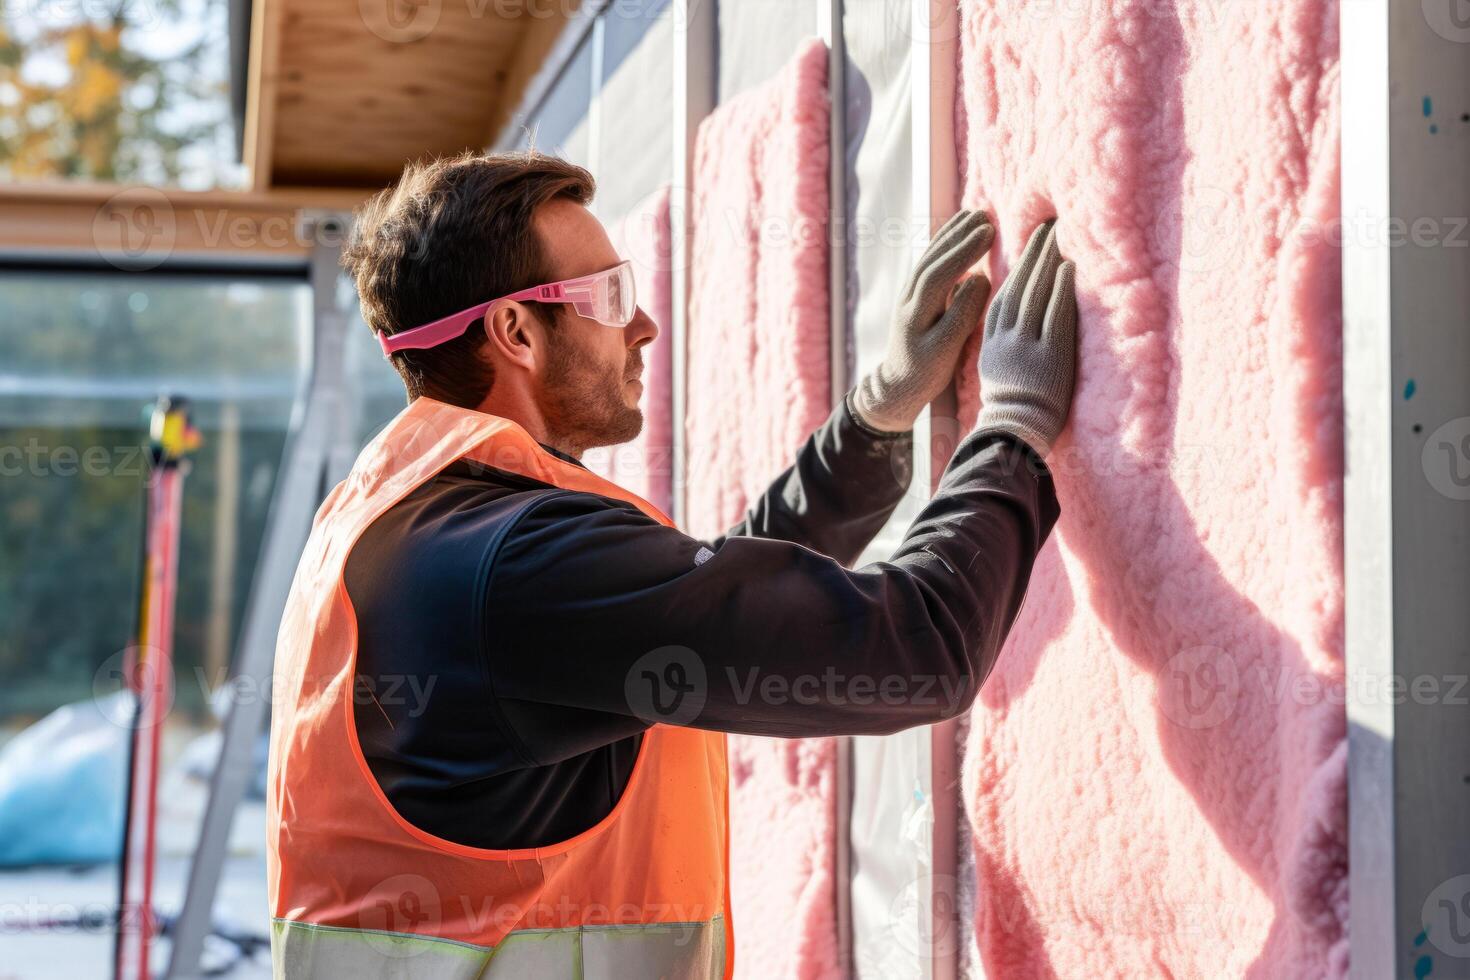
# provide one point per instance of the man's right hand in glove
(937, 312)
(1028, 360)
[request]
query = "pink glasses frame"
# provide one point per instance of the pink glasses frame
(578, 292)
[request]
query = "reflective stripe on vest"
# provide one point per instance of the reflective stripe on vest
(357, 891)
(683, 949)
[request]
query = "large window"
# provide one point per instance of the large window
(86, 353)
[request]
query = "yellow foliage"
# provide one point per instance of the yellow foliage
(95, 90)
(33, 157)
(75, 127)
(78, 43)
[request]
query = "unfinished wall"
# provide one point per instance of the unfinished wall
(1155, 772)
(758, 377)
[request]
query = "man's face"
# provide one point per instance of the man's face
(590, 383)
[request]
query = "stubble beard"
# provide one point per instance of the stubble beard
(583, 404)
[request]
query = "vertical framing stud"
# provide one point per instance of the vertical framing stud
(695, 80)
(1406, 373)
(829, 28)
(936, 197)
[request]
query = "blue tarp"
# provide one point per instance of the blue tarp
(62, 783)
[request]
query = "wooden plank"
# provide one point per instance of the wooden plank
(260, 94)
(138, 228)
(94, 193)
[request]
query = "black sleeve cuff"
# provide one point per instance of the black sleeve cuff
(863, 427)
(1034, 460)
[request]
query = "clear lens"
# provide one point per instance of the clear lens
(619, 301)
(607, 298)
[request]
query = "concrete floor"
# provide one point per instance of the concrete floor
(58, 892)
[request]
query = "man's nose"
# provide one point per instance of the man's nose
(640, 330)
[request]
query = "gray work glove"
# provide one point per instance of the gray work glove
(929, 327)
(1028, 359)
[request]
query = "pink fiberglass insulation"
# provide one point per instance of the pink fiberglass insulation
(1155, 772)
(644, 465)
(758, 385)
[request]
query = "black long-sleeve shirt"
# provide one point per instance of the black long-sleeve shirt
(516, 639)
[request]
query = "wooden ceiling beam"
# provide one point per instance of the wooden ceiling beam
(140, 227)
(261, 91)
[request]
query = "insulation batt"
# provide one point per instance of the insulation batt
(1155, 772)
(645, 465)
(758, 385)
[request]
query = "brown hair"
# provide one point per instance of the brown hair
(451, 233)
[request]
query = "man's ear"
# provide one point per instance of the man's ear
(514, 335)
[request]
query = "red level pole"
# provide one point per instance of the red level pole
(149, 676)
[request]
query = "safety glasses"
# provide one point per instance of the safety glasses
(607, 297)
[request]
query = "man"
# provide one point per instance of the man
(503, 682)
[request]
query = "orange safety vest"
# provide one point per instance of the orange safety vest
(358, 892)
